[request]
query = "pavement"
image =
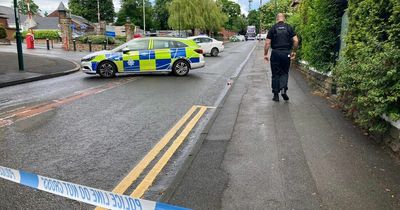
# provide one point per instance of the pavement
(35, 68)
(301, 154)
(41, 50)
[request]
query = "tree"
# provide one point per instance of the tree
(46, 14)
(271, 9)
(235, 21)
(3, 33)
(161, 14)
(134, 10)
(88, 9)
(253, 19)
(23, 7)
(196, 14)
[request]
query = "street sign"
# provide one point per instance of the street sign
(110, 31)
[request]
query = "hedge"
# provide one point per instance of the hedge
(317, 23)
(368, 75)
(3, 33)
(43, 34)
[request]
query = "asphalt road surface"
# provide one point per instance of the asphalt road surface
(93, 131)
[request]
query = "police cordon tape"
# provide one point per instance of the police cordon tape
(81, 193)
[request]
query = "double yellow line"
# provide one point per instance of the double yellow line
(152, 154)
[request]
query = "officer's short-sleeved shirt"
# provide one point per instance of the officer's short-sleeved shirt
(281, 36)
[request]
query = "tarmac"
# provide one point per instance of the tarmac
(36, 67)
(301, 154)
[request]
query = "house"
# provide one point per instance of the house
(78, 23)
(4, 22)
(51, 22)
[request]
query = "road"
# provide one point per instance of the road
(93, 131)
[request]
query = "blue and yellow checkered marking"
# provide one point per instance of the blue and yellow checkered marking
(131, 65)
(163, 64)
(147, 60)
(178, 52)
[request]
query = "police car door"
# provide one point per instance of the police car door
(138, 57)
(162, 50)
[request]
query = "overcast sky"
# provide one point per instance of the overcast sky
(51, 5)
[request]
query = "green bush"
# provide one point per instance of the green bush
(42, 34)
(96, 39)
(121, 38)
(3, 33)
(368, 74)
(317, 22)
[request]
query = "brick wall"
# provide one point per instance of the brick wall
(226, 34)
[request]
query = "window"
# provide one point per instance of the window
(138, 45)
(163, 44)
(166, 44)
(198, 40)
(206, 40)
(179, 44)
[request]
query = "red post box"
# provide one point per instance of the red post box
(30, 41)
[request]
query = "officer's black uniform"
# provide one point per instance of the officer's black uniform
(281, 36)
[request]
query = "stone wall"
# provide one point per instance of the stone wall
(393, 138)
(95, 47)
(43, 41)
(320, 81)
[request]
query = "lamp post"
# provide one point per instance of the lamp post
(260, 18)
(144, 18)
(98, 11)
(18, 38)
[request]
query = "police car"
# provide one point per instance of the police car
(146, 55)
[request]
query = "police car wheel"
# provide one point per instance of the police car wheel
(107, 69)
(181, 68)
(214, 52)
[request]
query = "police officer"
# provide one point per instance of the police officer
(284, 42)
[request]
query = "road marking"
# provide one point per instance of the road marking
(135, 173)
(151, 176)
(10, 117)
(128, 180)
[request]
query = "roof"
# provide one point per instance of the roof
(8, 12)
(43, 23)
(61, 7)
(80, 20)
(3, 16)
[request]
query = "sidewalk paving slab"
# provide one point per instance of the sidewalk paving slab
(35, 68)
(297, 155)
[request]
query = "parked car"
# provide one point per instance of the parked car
(241, 38)
(209, 45)
(237, 38)
(150, 54)
(261, 36)
(234, 38)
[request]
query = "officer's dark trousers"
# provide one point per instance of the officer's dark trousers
(280, 63)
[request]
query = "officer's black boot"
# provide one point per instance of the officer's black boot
(276, 97)
(284, 95)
